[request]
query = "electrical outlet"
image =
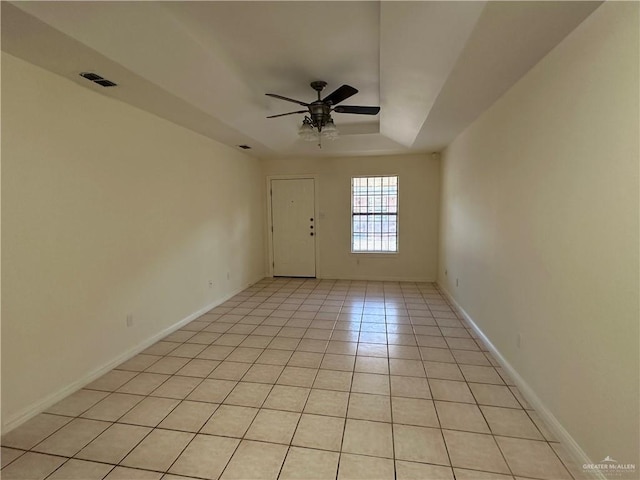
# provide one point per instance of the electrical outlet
(456, 282)
(446, 272)
(519, 340)
(129, 320)
(210, 283)
(228, 275)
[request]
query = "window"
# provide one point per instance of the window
(374, 213)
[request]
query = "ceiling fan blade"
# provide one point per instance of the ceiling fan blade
(357, 110)
(341, 94)
(290, 113)
(287, 99)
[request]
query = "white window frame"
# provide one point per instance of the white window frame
(397, 215)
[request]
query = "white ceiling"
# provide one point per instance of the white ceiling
(433, 67)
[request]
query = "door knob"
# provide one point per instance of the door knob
(311, 219)
(311, 234)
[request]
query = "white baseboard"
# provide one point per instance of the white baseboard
(375, 278)
(35, 408)
(577, 453)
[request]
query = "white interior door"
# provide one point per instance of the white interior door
(293, 222)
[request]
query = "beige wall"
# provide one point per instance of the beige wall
(108, 210)
(417, 217)
(539, 223)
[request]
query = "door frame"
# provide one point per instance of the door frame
(316, 228)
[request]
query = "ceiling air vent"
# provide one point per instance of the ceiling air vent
(244, 147)
(105, 83)
(95, 78)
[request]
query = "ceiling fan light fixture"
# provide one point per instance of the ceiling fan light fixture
(310, 131)
(306, 131)
(329, 130)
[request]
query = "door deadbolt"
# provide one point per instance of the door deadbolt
(311, 234)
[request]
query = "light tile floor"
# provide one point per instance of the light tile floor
(299, 379)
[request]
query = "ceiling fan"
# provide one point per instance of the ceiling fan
(318, 112)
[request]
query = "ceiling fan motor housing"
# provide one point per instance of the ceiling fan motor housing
(320, 113)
